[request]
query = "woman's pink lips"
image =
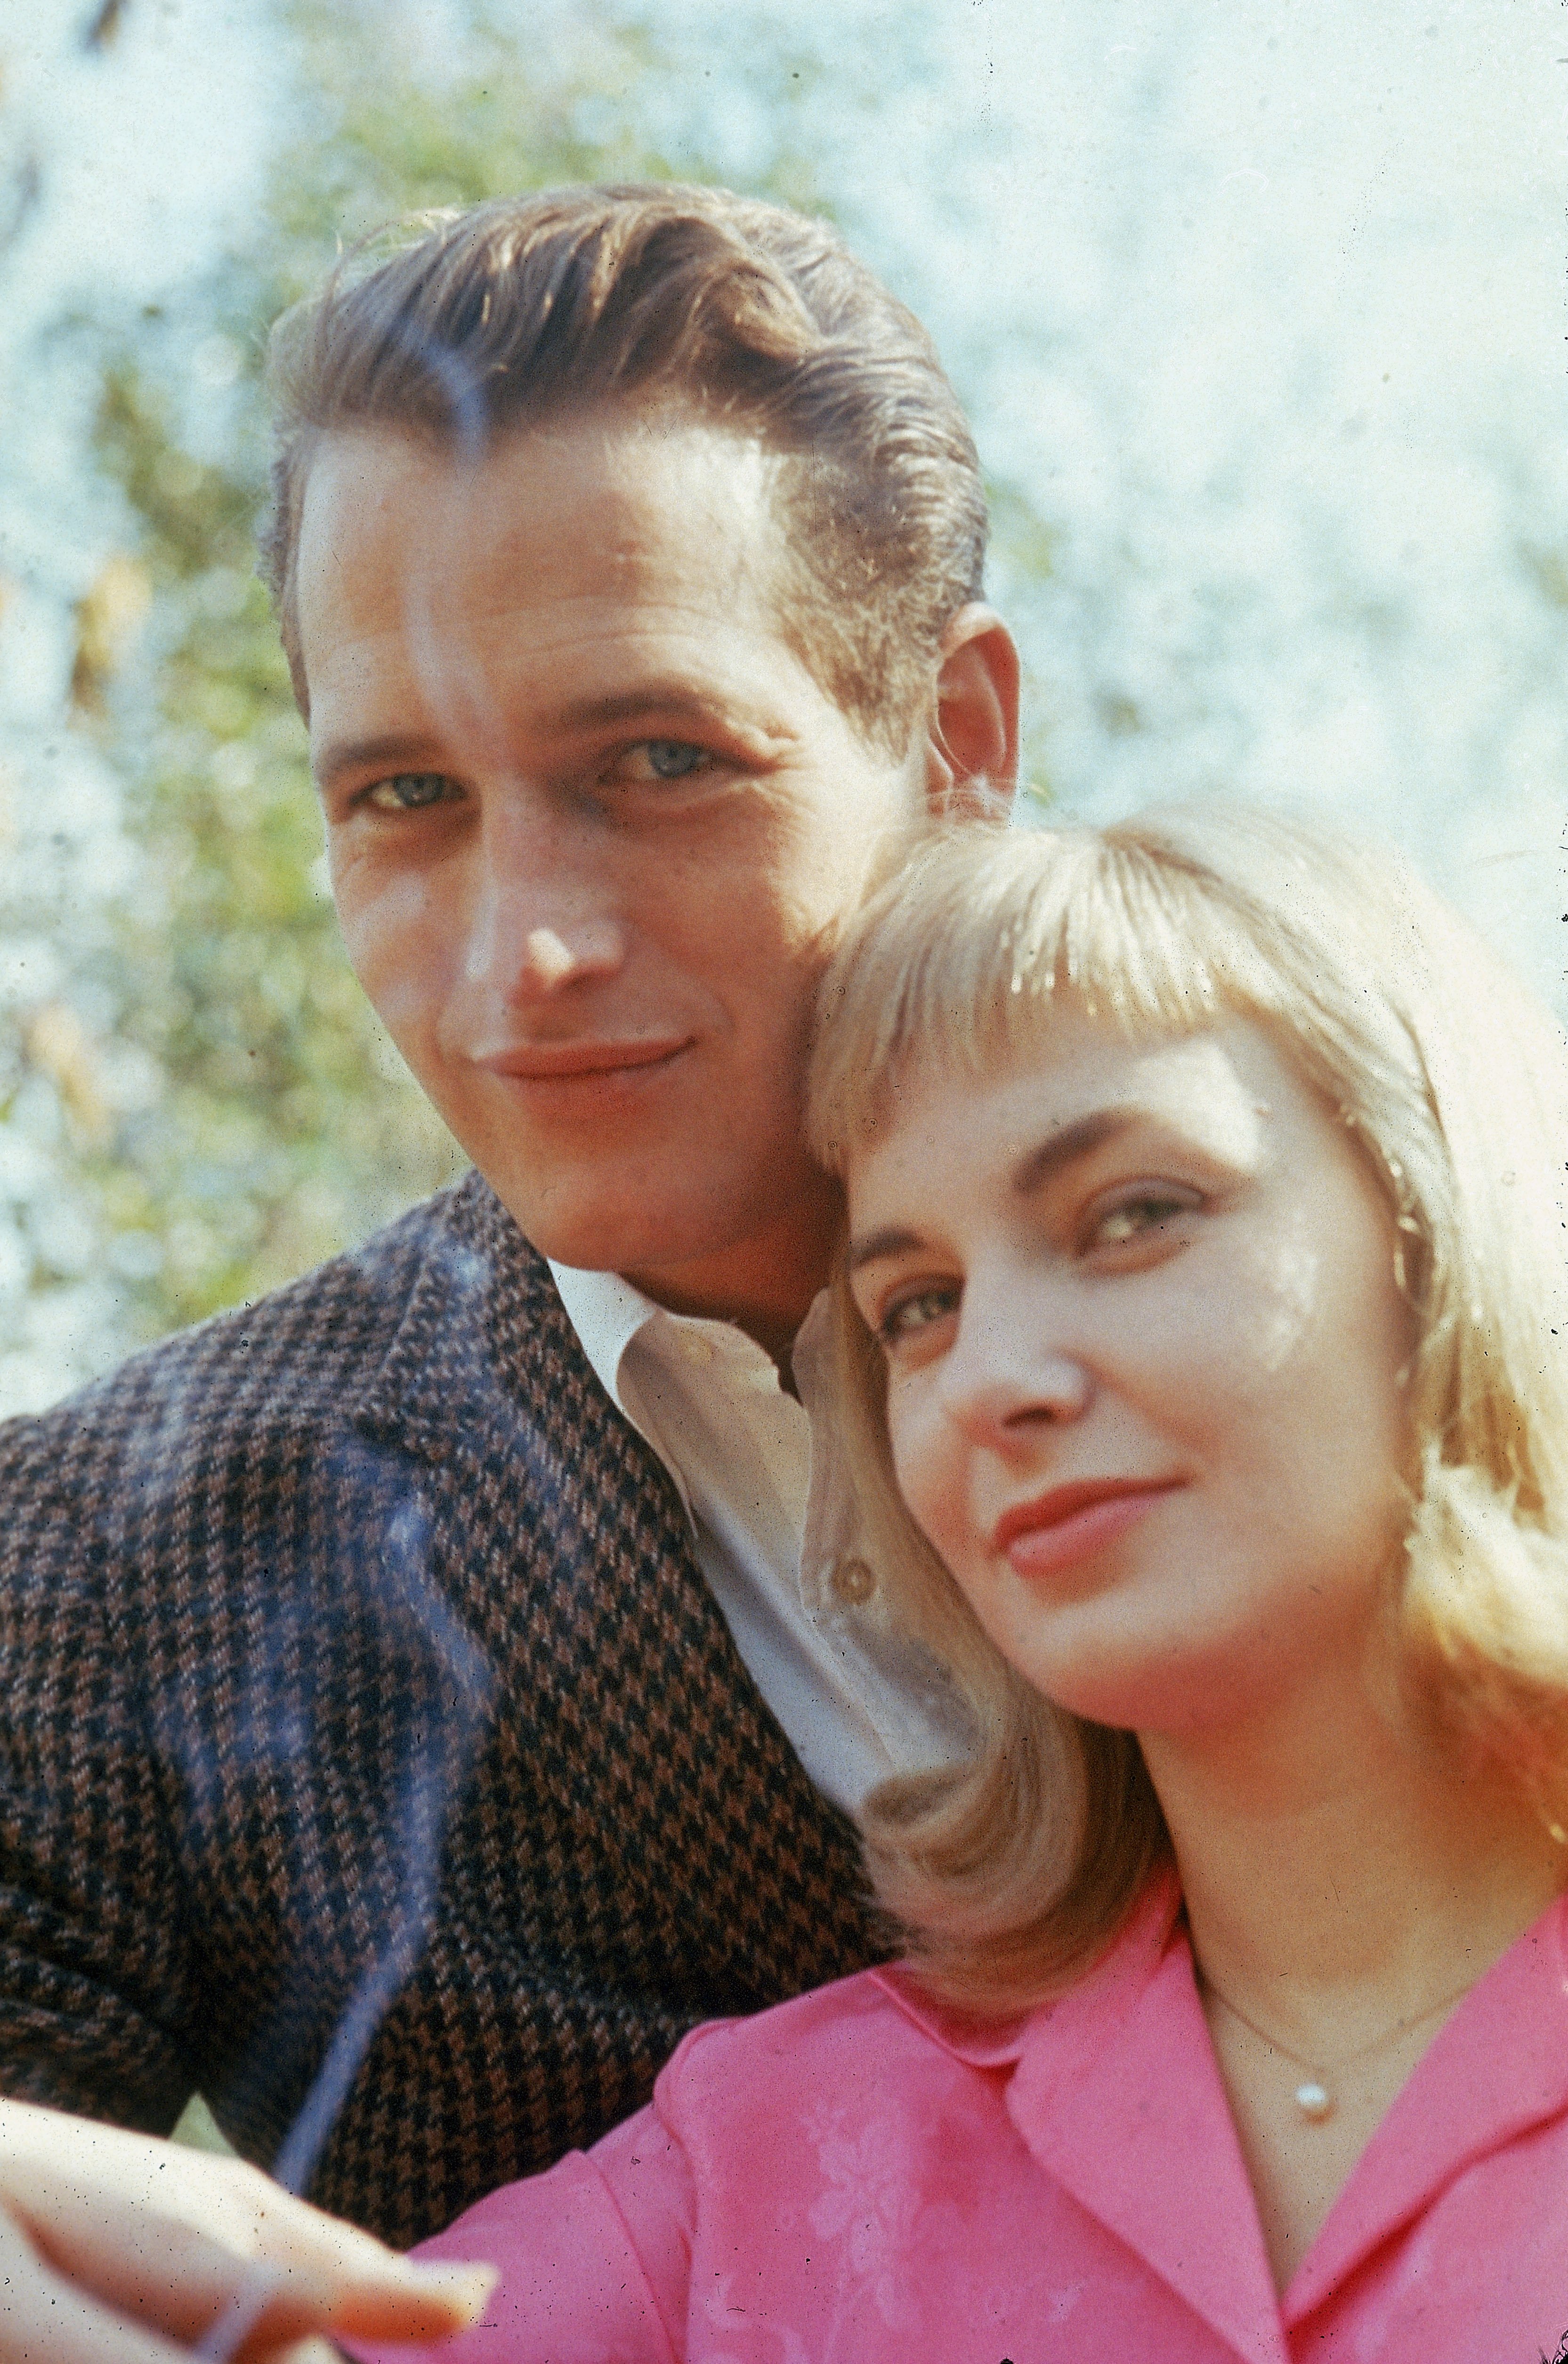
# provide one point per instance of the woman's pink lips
(1072, 1521)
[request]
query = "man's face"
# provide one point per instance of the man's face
(591, 825)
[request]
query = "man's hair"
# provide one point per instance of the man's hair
(529, 310)
(1012, 1872)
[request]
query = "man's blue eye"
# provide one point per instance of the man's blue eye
(672, 758)
(405, 791)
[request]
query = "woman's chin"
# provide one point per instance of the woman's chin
(1177, 1688)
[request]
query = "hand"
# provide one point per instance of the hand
(117, 2249)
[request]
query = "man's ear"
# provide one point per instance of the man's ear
(972, 753)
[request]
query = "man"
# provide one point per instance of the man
(411, 1699)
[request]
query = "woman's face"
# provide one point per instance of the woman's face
(1144, 1350)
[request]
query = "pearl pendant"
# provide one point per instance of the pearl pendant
(1314, 2100)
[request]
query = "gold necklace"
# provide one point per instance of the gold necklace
(1313, 2097)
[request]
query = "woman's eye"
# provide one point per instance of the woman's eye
(408, 791)
(1143, 1217)
(906, 1316)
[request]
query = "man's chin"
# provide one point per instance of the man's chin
(596, 1237)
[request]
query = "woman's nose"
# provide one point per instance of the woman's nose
(1002, 1381)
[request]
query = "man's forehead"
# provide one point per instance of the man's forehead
(600, 547)
(612, 496)
(568, 575)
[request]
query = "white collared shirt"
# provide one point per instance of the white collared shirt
(774, 1531)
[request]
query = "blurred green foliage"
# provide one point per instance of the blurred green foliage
(242, 1115)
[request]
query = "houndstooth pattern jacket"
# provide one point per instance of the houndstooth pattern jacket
(370, 1745)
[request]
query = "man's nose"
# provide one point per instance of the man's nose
(1004, 1379)
(540, 920)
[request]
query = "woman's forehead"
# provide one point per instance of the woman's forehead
(1219, 1084)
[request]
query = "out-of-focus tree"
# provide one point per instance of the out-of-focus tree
(229, 1109)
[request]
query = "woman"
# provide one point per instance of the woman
(1202, 1355)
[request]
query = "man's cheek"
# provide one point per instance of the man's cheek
(396, 946)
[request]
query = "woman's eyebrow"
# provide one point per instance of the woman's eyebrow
(892, 1240)
(1079, 1140)
(1075, 1141)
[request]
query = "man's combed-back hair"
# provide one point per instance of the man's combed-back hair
(530, 311)
(1010, 1873)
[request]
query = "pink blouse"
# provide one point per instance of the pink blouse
(860, 2178)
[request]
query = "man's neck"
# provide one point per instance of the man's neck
(763, 1284)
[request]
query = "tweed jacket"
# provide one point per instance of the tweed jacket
(373, 1755)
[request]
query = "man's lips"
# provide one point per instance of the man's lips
(1072, 1520)
(551, 1062)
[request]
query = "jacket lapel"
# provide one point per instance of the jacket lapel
(457, 1365)
(540, 1491)
(655, 1765)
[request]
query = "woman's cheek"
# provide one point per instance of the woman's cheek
(928, 1466)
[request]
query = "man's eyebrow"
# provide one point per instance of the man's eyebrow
(398, 750)
(656, 695)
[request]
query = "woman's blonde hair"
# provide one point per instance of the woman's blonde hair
(1008, 1874)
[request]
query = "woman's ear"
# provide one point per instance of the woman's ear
(972, 754)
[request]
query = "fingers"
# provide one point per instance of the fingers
(57, 2172)
(121, 2238)
(44, 2319)
(294, 2269)
(436, 2301)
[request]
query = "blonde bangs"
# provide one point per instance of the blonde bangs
(957, 961)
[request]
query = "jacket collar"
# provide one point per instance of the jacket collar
(481, 1293)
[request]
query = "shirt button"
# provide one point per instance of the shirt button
(853, 1582)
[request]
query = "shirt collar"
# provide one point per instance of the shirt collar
(1114, 2090)
(1117, 1980)
(606, 1313)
